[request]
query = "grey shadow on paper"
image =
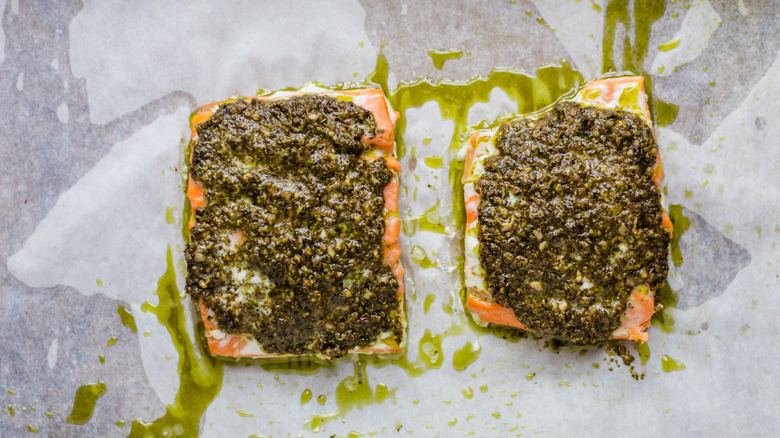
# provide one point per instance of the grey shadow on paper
(711, 262)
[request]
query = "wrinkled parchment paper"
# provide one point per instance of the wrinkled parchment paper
(97, 98)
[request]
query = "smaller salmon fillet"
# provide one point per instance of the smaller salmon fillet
(624, 93)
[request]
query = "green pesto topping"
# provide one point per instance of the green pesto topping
(570, 220)
(288, 247)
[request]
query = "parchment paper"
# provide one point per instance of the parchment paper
(96, 99)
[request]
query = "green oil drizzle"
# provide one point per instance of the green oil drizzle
(644, 14)
(681, 224)
(200, 375)
(420, 258)
(439, 57)
(318, 420)
(434, 161)
(668, 299)
(99, 282)
(305, 396)
(169, 218)
(430, 350)
(429, 299)
(665, 113)
(643, 350)
(111, 341)
(466, 355)
(321, 399)
(127, 318)
(669, 45)
(11, 411)
(84, 404)
(668, 364)
(32, 428)
(429, 220)
(468, 393)
(245, 414)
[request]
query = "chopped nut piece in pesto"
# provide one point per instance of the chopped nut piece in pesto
(288, 247)
(570, 219)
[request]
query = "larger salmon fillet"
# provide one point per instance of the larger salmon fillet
(377, 146)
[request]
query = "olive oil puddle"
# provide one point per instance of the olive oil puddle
(200, 374)
(669, 365)
(466, 355)
(85, 401)
(128, 320)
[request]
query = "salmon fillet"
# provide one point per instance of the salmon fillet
(223, 342)
(624, 93)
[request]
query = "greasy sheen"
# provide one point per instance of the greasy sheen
(309, 278)
(570, 220)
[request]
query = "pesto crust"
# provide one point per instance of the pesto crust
(288, 174)
(570, 219)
